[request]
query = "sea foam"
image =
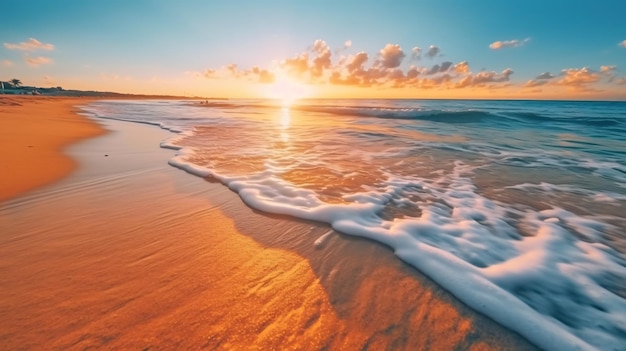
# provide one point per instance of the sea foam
(533, 266)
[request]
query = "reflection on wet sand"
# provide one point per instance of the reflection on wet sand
(137, 255)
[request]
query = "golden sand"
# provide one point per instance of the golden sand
(129, 253)
(33, 132)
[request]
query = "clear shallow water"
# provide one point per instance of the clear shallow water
(516, 207)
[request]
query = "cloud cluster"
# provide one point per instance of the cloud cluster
(576, 78)
(497, 45)
(387, 68)
(31, 44)
(393, 67)
(484, 77)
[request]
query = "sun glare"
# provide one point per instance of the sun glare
(287, 91)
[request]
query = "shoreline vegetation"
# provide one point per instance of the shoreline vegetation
(92, 262)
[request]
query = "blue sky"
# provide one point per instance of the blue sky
(136, 46)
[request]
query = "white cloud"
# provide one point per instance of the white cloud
(607, 69)
(622, 44)
(497, 45)
(322, 61)
(391, 56)
(416, 53)
(433, 51)
(31, 45)
(443, 67)
(481, 78)
(545, 75)
(357, 61)
(37, 61)
(578, 77)
(461, 67)
(348, 43)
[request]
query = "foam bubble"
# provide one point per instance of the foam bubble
(542, 271)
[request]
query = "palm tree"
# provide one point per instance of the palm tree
(16, 82)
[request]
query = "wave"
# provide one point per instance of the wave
(459, 115)
(586, 121)
(435, 115)
(527, 269)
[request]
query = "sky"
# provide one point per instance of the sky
(548, 49)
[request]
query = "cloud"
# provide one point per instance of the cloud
(298, 65)
(542, 79)
(461, 67)
(535, 83)
(347, 44)
(484, 77)
(209, 73)
(607, 69)
(497, 45)
(264, 76)
(322, 60)
(357, 61)
(391, 56)
(31, 45)
(444, 67)
(432, 51)
(6, 63)
(622, 44)
(578, 77)
(416, 53)
(37, 61)
(545, 75)
(413, 72)
(320, 65)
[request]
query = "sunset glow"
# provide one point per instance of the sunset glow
(286, 90)
(313, 175)
(287, 50)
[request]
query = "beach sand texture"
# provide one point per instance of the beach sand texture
(129, 253)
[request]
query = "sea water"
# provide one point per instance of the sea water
(518, 208)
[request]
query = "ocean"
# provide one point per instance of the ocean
(518, 208)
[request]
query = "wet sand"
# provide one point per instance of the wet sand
(129, 253)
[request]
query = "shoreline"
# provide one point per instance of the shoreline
(139, 254)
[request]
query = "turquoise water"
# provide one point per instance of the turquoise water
(516, 207)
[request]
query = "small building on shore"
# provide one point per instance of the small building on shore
(11, 89)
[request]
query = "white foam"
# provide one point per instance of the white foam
(594, 195)
(544, 274)
(528, 284)
(319, 242)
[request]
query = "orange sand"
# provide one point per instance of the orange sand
(33, 132)
(131, 254)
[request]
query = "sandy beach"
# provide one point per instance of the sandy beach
(103, 245)
(34, 130)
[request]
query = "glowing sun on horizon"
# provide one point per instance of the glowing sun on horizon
(287, 91)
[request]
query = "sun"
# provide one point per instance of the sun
(286, 90)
